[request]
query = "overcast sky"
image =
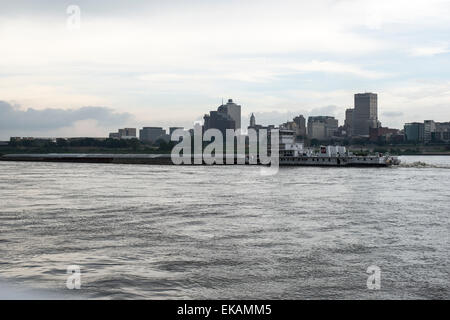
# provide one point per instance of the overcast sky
(166, 63)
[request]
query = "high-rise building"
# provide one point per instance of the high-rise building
(227, 116)
(365, 114)
(348, 123)
(414, 131)
(332, 126)
(322, 127)
(300, 121)
(252, 121)
(218, 120)
(316, 130)
(233, 110)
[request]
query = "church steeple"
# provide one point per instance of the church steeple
(252, 121)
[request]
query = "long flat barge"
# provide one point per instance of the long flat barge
(157, 159)
(165, 159)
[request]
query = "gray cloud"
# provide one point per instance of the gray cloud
(13, 118)
(324, 111)
(392, 114)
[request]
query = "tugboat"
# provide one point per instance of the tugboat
(295, 154)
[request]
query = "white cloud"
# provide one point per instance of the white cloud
(169, 63)
(417, 101)
(336, 67)
(430, 51)
(258, 71)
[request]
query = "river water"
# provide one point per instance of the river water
(159, 232)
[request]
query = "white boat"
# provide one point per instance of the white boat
(295, 154)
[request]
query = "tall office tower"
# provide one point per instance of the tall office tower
(300, 121)
(252, 121)
(233, 110)
(227, 116)
(348, 124)
(365, 115)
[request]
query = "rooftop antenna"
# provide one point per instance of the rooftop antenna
(222, 101)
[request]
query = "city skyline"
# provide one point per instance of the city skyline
(365, 103)
(180, 62)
